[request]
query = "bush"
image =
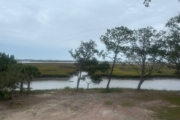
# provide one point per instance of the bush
(4, 95)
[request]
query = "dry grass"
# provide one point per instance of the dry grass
(66, 69)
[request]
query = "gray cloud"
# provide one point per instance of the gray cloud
(62, 24)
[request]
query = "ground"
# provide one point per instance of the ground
(83, 105)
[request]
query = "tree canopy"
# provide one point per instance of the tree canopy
(86, 61)
(172, 43)
(144, 53)
(115, 40)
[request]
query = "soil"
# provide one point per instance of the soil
(86, 105)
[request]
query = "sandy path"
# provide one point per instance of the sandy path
(75, 106)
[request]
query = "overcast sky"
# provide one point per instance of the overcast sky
(48, 29)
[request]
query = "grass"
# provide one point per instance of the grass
(15, 105)
(54, 69)
(127, 103)
(108, 103)
(166, 112)
(169, 112)
(66, 69)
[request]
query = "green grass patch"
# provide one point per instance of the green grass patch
(104, 90)
(127, 103)
(168, 113)
(165, 112)
(172, 98)
(108, 103)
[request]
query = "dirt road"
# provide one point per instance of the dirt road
(89, 105)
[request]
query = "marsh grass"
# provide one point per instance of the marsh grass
(66, 70)
(55, 69)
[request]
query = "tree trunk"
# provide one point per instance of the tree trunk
(142, 73)
(140, 83)
(11, 95)
(78, 81)
(88, 85)
(107, 88)
(28, 87)
(21, 87)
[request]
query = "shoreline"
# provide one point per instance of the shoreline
(63, 78)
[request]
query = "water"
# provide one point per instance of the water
(155, 83)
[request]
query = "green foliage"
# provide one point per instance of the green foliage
(5, 95)
(115, 40)
(144, 53)
(172, 44)
(30, 72)
(10, 75)
(86, 61)
(6, 60)
(67, 88)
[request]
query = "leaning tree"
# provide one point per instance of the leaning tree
(115, 40)
(144, 53)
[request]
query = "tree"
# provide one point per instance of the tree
(12, 77)
(30, 72)
(172, 44)
(5, 62)
(144, 52)
(146, 2)
(85, 59)
(114, 40)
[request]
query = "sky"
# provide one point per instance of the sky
(48, 29)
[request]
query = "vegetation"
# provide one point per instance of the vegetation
(13, 75)
(120, 70)
(115, 39)
(146, 2)
(30, 72)
(54, 69)
(172, 44)
(86, 62)
(143, 54)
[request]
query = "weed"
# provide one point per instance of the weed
(108, 103)
(127, 104)
(168, 113)
(75, 108)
